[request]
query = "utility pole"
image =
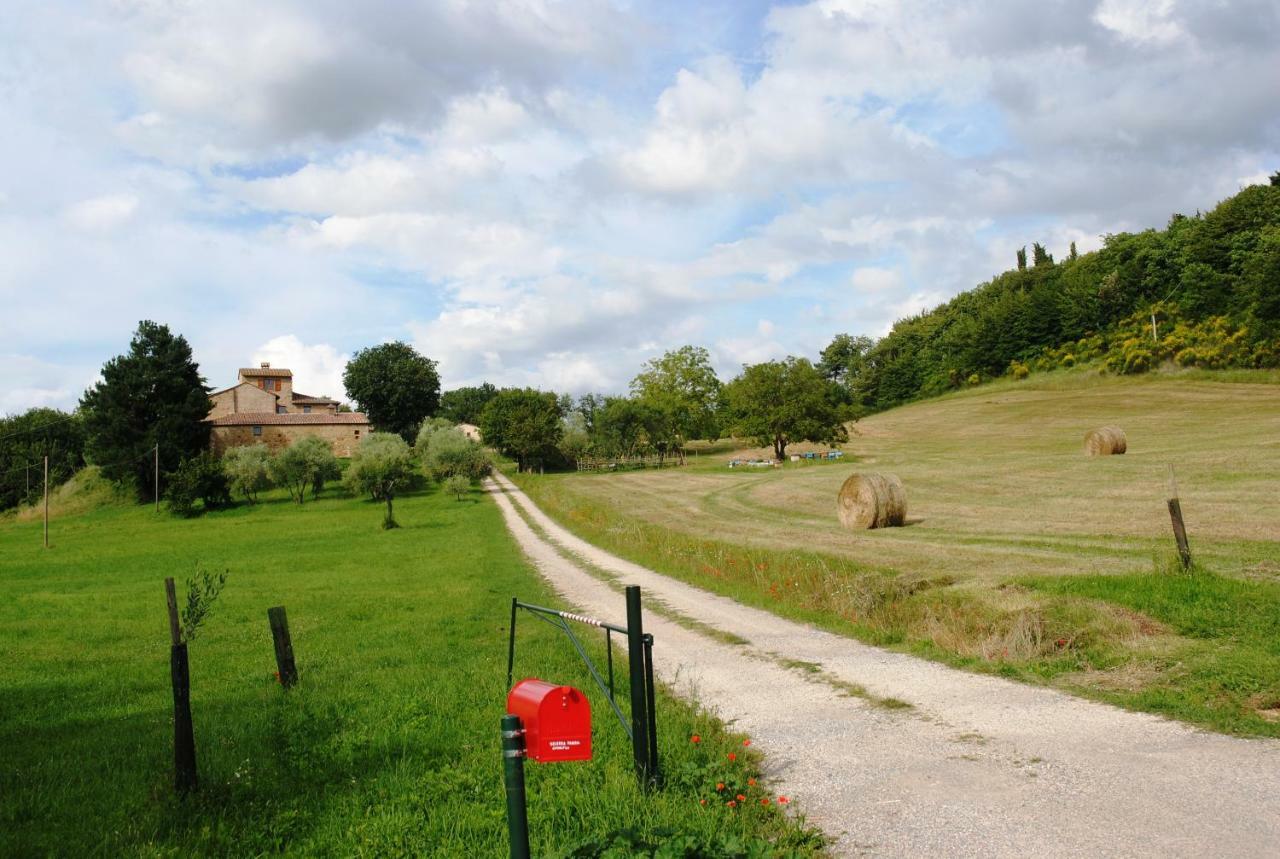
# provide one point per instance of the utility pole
(46, 502)
(157, 477)
(1154, 338)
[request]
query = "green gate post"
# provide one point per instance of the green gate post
(513, 773)
(639, 704)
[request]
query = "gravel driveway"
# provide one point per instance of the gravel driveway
(976, 766)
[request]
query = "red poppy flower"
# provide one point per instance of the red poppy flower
(782, 800)
(731, 804)
(746, 742)
(702, 801)
(719, 785)
(751, 782)
(695, 739)
(764, 800)
(732, 756)
(740, 798)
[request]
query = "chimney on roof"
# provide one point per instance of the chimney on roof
(266, 365)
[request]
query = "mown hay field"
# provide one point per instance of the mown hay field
(1002, 503)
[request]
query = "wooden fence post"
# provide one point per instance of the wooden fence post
(285, 665)
(1179, 527)
(184, 740)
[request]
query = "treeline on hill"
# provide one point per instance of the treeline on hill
(1212, 280)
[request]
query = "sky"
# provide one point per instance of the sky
(552, 192)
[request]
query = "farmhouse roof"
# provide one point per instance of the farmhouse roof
(265, 371)
(307, 398)
(238, 385)
(259, 418)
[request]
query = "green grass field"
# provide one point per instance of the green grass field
(1021, 555)
(388, 747)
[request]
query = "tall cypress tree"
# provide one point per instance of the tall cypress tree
(1022, 258)
(152, 395)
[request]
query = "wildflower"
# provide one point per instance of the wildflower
(746, 742)
(782, 800)
(751, 782)
(1061, 642)
(695, 739)
(740, 798)
(732, 756)
(731, 804)
(702, 801)
(764, 800)
(719, 785)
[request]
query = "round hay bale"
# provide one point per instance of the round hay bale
(1105, 442)
(872, 501)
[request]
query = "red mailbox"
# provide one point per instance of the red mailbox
(556, 720)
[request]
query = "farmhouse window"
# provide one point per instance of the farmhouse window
(306, 410)
(280, 410)
(257, 430)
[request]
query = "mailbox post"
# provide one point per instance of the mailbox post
(546, 723)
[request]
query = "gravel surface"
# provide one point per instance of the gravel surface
(978, 766)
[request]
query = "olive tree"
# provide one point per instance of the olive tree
(446, 452)
(305, 464)
(248, 470)
(382, 465)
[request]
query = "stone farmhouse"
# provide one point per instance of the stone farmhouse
(263, 408)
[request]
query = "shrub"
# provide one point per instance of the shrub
(248, 468)
(198, 478)
(974, 379)
(1019, 370)
(457, 486)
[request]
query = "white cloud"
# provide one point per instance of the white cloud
(102, 214)
(551, 193)
(317, 368)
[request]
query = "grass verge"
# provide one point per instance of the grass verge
(389, 745)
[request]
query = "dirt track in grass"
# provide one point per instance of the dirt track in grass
(971, 766)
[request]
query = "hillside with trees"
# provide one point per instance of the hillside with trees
(1211, 280)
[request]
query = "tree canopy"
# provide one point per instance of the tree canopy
(776, 403)
(395, 386)
(153, 394)
(464, 405)
(1211, 278)
(25, 440)
(683, 385)
(524, 424)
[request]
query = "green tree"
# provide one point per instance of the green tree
(523, 424)
(445, 452)
(305, 464)
(382, 466)
(1022, 258)
(1040, 256)
(464, 405)
(25, 440)
(779, 402)
(844, 362)
(152, 395)
(395, 386)
(200, 478)
(620, 427)
(683, 387)
(1072, 254)
(248, 470)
